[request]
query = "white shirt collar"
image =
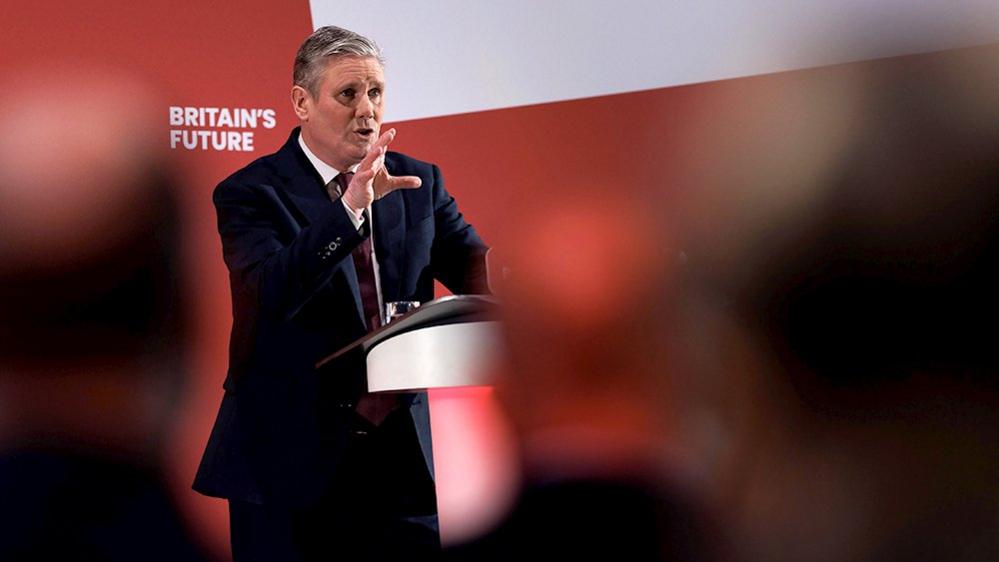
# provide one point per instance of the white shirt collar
(326, 171)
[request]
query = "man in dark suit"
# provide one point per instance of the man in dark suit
(316, 238)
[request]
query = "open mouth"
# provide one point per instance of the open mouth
(365, 133)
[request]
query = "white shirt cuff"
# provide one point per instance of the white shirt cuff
(356, 217)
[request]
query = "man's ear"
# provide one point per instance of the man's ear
(301, 102)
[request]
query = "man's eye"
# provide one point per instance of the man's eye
(348, 93)
(375, 92)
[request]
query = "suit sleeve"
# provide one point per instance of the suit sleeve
(271, 270)
(458, 253)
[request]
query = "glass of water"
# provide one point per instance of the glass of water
(398, 309)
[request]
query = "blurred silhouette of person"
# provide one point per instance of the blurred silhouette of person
(92, 331)
(588, 391)
(847, 302)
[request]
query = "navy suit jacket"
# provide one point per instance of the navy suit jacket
(282, 424)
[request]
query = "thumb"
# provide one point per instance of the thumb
(405, 182)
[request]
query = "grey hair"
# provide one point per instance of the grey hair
(325, 42)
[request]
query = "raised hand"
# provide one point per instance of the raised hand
(372, 180)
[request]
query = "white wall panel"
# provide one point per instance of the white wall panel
(453, 56)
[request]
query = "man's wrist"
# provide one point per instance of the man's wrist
(356, 216)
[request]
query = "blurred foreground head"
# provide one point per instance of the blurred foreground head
(589, 305)
(91, 320)
(846, 298)
(589, 389)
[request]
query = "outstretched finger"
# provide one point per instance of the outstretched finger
(405, 182)
(386, 138)
(378, 149)
(364, 176)
(368, 162)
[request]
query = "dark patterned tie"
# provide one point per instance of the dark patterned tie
(374, 407)
(364, 264)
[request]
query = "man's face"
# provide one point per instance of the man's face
(342, 122)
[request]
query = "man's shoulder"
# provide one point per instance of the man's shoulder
(261, 168)
(270, 168)
(400, 164)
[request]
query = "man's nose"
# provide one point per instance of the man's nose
(365, 108)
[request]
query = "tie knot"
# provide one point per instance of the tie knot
(338, 185)
(343, 180)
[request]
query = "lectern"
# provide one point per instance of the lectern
(451, 341)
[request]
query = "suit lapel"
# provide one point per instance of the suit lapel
(303, 185)
(389, 236)
(307, 193)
